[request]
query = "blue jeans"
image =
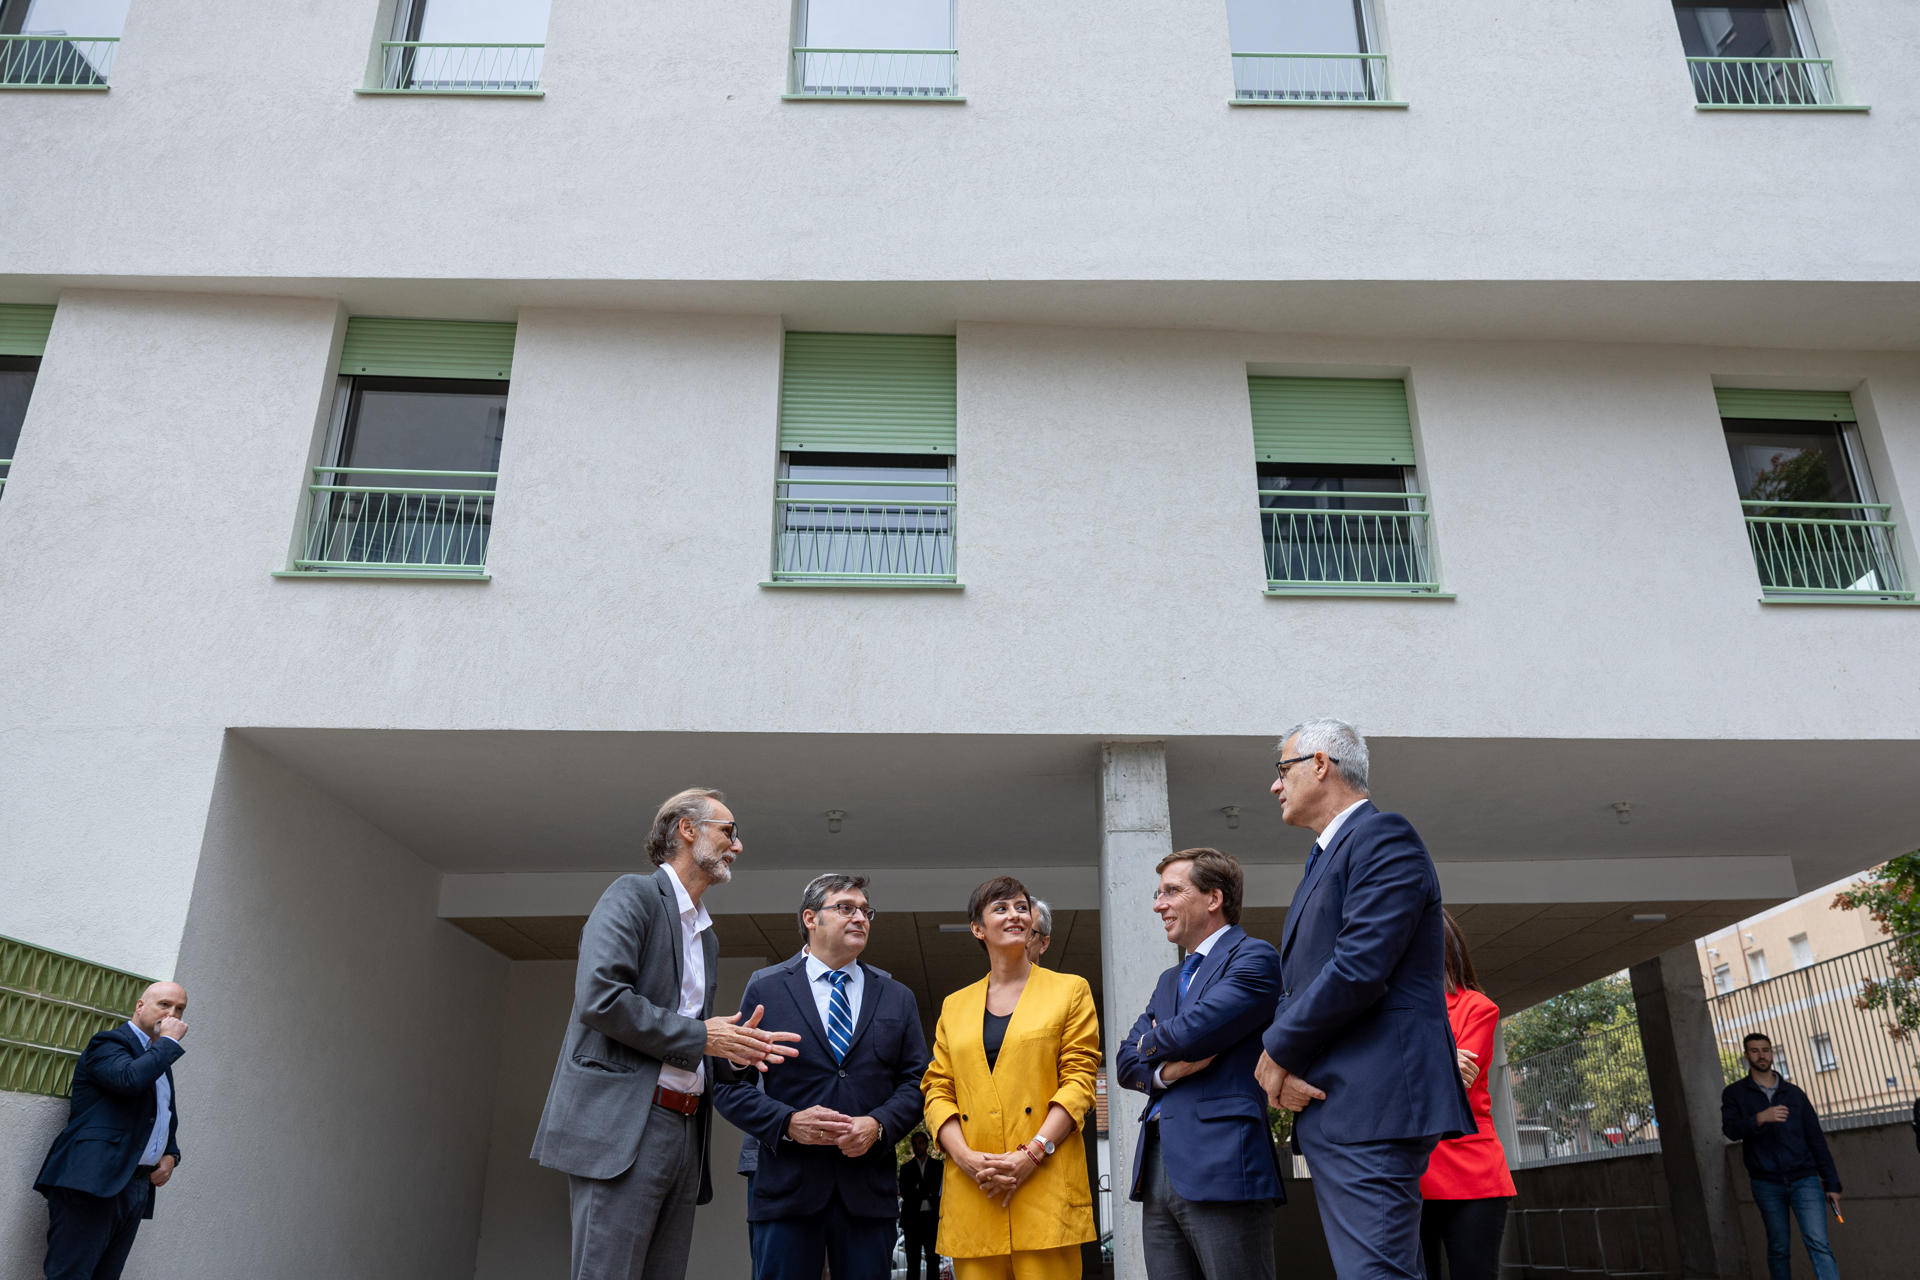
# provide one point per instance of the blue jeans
(1808, 1202)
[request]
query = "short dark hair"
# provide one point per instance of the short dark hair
(918, 1138)
(990, 892)
(1756, 1035)
(695, 803)
(815, 895)
(1212, 870)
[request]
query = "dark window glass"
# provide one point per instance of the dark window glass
(851, 515)
(16, 388)
(1789, 462)
(425, 425)
(1803, 507)
(1750, 29)
(1341, 525)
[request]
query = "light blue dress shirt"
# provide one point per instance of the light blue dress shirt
(823, 990)
(163, 1111)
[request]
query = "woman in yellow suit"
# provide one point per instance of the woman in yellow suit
(1014, 1058)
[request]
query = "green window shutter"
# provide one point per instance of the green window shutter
(1797, 406)
(1359, 420)
(427, 348)
(868, 393)
(23, 329)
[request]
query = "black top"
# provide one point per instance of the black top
(1784, 1152)
(994, 1034)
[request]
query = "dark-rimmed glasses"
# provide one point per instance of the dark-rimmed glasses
(848, 910)
(728, 827)
(1281, 766)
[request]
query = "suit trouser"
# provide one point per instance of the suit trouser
(1368, 1194)
(851, 1248)
(1196, 1239)
(639, 1226)
(921, 1228)
(89, 1237)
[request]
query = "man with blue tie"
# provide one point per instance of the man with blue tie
(1204, 1167)
(1359, 1047)
(825, 1125)
(120, 1144)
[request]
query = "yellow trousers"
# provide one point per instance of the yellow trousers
(1023, 1264)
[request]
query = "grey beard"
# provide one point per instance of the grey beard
(714, 867)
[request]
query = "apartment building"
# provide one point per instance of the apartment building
(432, 431)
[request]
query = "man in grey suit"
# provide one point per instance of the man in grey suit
(626, 1116)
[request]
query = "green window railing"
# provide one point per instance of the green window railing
(920, 74)
(1312, 79)
(821, 535)
(50, 1006)
(1765, 84)
(1347, 540)
(366, 520)
(416, 66)
(1825, 549)
(56, 62)
(6, 465)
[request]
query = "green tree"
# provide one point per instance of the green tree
(1602, 1003)
(1891, 896)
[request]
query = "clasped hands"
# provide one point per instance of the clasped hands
(999, 1174)
(825, 1127)
(744, 1044)
(1284, 1089)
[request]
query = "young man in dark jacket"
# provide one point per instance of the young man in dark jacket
(1787, 1160)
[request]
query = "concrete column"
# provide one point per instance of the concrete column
(1500, 1092)
(1683, 1072)
(1135, 833)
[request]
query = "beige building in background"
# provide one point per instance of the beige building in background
(1781, 939)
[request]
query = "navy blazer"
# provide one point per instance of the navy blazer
(1214, 1138)
(111, 1116)
(880, 1078)
(1363, 1005)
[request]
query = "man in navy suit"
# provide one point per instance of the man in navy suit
(121, 1142)
(1204, 1166)
(823, 1188)
(1359, 1045)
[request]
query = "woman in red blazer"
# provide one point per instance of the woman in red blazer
(1467, 1185)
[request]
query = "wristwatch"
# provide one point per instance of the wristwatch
(1045, 1145)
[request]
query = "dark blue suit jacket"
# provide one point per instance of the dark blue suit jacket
(1214, 1138)
(1363, 1009)
(112, 1114)
(880, 1078)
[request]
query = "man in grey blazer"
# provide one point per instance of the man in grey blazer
(627, 1116)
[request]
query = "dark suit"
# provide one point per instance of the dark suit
(636, 1169)
(820, 1203)
(1205, 1165)
(97, 1190)
(1363, 1016)
(921, 1226)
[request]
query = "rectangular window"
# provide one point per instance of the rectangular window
(54, 1005)
(465, 46)
(23, 336)
(875, 49)
(1757, 966)
(1802, 950)
(866, 491)
(1753, 54)
(59, 44)
(1823, 1055)
(1340, 505)
(1306, 53)
(1722, 978)
(1812, 520)
(406, 488)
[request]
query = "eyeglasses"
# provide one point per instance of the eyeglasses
(1168, 893)
(728, 827)
(848, 910)
(1283, 765)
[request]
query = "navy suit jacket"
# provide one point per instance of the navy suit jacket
(111, 1116)
(880, 1078)
(1363, 1006)
(1214, 1138)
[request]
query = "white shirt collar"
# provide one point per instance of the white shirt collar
(146, 1041)
(817, 968)
(1206, 944)
(1332, 832)
(698, 914)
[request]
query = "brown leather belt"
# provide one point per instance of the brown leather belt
(673, 1100)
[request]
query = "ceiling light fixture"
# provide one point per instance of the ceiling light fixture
(1232, 812)
(1649, 917)
(834, 818)
(1625, 811)
(956, 928)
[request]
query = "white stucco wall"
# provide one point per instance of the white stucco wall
(27, 1128)
(1543, 142)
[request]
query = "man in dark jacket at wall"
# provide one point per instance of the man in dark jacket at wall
(1787, 1160)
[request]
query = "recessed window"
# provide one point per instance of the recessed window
(1802, 950)
(23, 336)
(1824, 1059)
(1757, 966)
(896, 49)
(406, 485)
(1754, 55)
(1341, 510)
(1813, 519)
(464, 46)
(1722, 978)
(59, 44)
(866, 492)
(1306, 53)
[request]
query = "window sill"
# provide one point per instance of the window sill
(1844, 107)
(873, 97)
(409, 575)
(1904, 600)
(55, 88)
(1392, 103)
(1330, 593)
(451, 93)
(865, 584)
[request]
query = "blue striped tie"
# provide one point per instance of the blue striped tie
(839, 1015)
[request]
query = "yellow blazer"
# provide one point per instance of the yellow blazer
(1051, 1054)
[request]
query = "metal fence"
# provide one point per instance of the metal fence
(1583, 1101)
(1310, 79)
(367, 520)
(1763, 82)
(1844, 1030)
(56, 61)
(416, 66)
(1825, 548)
(819, 72)
(884, 531)
(1315, 540)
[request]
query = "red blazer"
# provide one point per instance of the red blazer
(1474, 1166)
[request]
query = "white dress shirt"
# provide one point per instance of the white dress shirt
(1206, 945)
(693, 981)
(1332, 831)
(822, 989)
(163, 1111)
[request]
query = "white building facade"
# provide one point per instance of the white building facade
(435, 434)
